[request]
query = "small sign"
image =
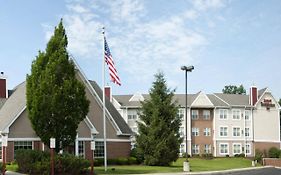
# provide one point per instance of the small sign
(93, 145)
(5, 141)
(52, 143)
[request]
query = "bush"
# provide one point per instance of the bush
(239, 155)
(274, 152)
(184, 155)
(207, 156)
(38, 162)
(227, 155)
(258, 155)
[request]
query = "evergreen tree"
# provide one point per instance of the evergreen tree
(159, 139)
(56, 100)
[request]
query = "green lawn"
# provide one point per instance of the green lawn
(196, 164)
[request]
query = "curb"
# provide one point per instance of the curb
(207, 172)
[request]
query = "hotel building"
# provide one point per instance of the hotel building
(219, 124)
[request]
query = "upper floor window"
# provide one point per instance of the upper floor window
(132, 117)
(207, 131)
(223, 131)
(223, 113)
(236, 114)
(206, 114)
(181, 113)
(181, 131)
(247, 115)
(236, 132)
(194, 114)
(247, 132)
(195, 131)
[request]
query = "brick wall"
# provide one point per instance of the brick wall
(118, 149)
(265, 146)
(272, 162)
(10, 152)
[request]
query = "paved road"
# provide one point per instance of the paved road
(263, 171)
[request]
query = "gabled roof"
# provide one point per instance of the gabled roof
(234, 99)
(216, 101)
(13, 106)
(125, 129)
(261, 91)
(2, 102)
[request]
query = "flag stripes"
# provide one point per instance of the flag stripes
(109, 61)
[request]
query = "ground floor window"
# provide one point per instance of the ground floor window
(236, 149)
(22, 145)
(223, 148)
(207, 149)
(182, 148)
(195, 149)
(248, 148)
(81, 148)
(99, 151)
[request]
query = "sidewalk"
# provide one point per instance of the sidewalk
(12, 173)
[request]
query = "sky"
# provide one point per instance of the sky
(229, 42)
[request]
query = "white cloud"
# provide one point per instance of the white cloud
(48, 29)
(140, 47)
(202, 5)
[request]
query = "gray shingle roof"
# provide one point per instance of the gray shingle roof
(125, 129)
(261, 91)
(234, 99)
(216, 101)
(13, 106)
(2, 101)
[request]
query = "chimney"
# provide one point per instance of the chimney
(107, 92)
(253, 95)
(3, 87)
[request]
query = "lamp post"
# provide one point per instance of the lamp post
(186, 163)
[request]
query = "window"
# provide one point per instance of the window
(81, 148)
(194, 114)
(207, 131)
(223, 148)
(195, 131)
(207, 149)
(99, 151)
(22, 145)
(223, 131)
(195, 149)
(206, 114)
(236, 149)
(247, 132)
(181, 113)
(223, 113)
(182, 148)
(236, 114)
(248, 149)
(236, 131)
(181, 131)
(247, 115)
(132, 117)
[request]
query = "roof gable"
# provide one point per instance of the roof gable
(202, 100)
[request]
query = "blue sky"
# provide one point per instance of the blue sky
(228, 42)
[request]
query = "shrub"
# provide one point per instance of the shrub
(227, 155)
(274, 152)
(184, 155)
(258, 155)
(207, 156)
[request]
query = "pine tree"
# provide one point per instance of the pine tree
(56, 100)
(159, 140)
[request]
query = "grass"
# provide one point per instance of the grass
(196, 164)
(12, 167)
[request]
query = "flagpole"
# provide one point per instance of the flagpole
(103, 100)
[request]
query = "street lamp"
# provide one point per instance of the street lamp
(186, 163)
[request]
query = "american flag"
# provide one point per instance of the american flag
(109, 61)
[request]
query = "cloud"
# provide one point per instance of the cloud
(140, 45)
(203, 5)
